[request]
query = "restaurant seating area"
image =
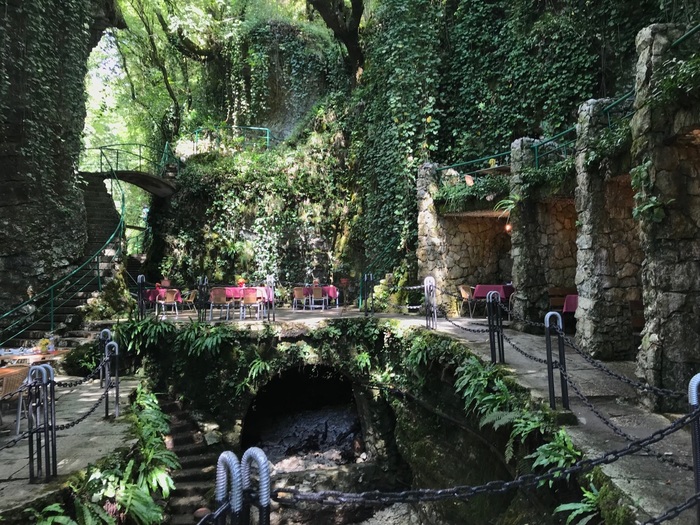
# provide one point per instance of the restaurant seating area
(236, 301)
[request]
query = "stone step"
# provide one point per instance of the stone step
(198, 460)
(196, 474)
(186, 505)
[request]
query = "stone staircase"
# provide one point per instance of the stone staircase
(195, 481)
(102, 219)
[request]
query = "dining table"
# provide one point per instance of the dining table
(481, 291)
(235, 293)
(158, 294)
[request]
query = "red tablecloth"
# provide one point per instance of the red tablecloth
(331, 291)
(261, 292)
(505, 290)
(158, 294)
(570, 303)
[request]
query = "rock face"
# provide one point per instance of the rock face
(666, 153)
(609, 255)
(45, 46)
(465, 249)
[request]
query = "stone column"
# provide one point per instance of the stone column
(432, 246)
(528, 271)
(608, 256)
(667, 171)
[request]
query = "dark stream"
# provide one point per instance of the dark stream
(305, 419)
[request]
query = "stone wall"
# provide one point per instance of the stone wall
(465, 249)
(42, 111)
(609, 251)
(666, 156)
(544, 242)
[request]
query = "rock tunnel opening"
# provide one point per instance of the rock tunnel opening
(305, 418)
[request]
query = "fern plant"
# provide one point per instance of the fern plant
(586, 509)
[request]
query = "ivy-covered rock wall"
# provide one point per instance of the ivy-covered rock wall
(44, 47)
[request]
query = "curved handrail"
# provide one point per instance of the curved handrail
(63, 287)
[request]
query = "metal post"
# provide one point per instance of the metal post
(113, 349)
(550, 359)
(693, 392)
(256, 455)
(99, 277)
(108, 378)
(270, 283)
(51, 310)
(430, 302)
(140, 281)
(229, 486)
(105, 337)
(492, 310)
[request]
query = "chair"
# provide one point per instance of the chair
(318, 297)
(250, 299)
(169, 299)
(299, 297)
(467, 293)
(217, 299)
(190, 301)
(11, 384)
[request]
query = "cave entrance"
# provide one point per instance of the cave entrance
(305, 418)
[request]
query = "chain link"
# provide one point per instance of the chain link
(675, 511)
(636, 384)
(617, 430)
(15, 440)
(292, 496)
(88, 413)
(523, 352)
(78, 382)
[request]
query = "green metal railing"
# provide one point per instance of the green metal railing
(567, 146)
(226, 130)
(42, 306)
(552, 145)
(608, 110)
(128, 156)
(381, 261)
(482, 162)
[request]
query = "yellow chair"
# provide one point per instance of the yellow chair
(9, 386)
(467, 293)
(190, 301)
(217, 299)
(299, 298)
(318, 297)
(170, 299)
(250, 299)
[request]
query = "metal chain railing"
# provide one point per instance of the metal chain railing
(612, 426)
(664, 392)
(292, 496)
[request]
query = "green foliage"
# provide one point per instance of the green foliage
(586, 509)
(394, 128)
(82, 360)
(125, 489)
(557, 453)
(458, 197)
(549, 179)
(612, 142)
(679, 80)
(647, 205)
